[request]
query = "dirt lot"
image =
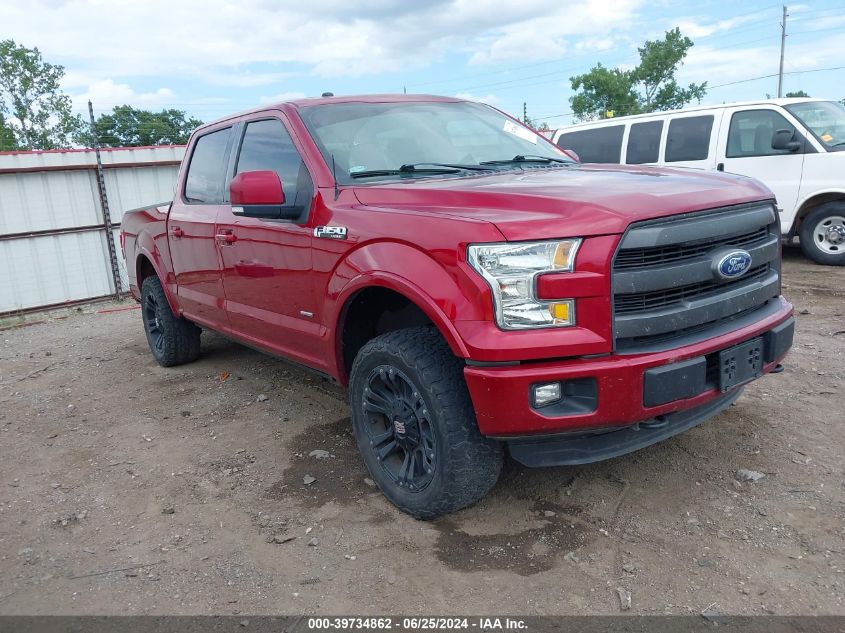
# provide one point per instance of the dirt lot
(128, 488)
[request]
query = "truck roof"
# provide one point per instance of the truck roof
(311, 101)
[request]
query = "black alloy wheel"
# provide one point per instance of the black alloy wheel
(399, 428)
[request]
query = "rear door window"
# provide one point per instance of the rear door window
(203, 184)
(598, 145)
(689, 138)
(644, 143)
(751, 132)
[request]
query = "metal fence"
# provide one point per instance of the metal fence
(53, 248)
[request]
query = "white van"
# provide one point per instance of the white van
(794, 146)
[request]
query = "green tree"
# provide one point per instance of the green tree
(39, 112)
(126, 126)
(604, 92)
(8, 142)
(655, 75)
(650, 86)
(797, 93)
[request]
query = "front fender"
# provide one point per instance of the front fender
(396, 266)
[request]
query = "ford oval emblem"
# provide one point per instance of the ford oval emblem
(733, 264)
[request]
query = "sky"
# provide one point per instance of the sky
(212, 58)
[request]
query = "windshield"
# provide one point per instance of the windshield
(367, 140)
(825, 119)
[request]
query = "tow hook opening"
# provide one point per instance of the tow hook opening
(655, 423)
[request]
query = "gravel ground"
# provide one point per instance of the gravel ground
(127, 488)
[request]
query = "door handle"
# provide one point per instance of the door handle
(720, 167)
(175, 231)
(226, 237)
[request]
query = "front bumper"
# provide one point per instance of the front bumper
(592, 447)
(500, 394)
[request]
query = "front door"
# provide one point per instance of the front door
(267, 262)
(746, 149)
(191, 231)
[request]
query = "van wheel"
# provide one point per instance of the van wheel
(415, 425)
(172, 340)
(823, 234)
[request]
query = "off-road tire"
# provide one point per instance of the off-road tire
(809, 242)
(173, 340)
(467, 465)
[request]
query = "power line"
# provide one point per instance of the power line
(616, 48)
(731, 83)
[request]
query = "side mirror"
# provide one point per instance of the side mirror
(259, 194)
(782, 139)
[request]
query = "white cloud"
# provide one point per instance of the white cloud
(215, 41)
(722, 65)
(489, 99)
(548, 33)
(244, 79)
(694, 29)
(283, 96)
(106, 94)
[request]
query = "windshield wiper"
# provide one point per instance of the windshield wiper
(402, 171)
(420, 168)
(527, 158)
(416, 166)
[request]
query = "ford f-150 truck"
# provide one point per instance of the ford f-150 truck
(477, 290)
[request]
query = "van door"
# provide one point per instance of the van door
(745, 148)
(691, 140)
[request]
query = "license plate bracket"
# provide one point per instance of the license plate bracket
(740, 364)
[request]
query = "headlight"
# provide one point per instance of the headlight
(511, 269)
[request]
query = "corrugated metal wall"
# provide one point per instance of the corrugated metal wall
(53, 247)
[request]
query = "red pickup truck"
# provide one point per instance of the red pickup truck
(477, 290)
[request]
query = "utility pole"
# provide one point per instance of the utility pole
(104, 201)
(782, 47)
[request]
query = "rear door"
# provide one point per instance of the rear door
(746, 149)
(191, 226)
(267, 262)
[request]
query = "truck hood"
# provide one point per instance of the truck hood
(580, 200)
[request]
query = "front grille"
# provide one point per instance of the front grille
(665, 290)
(656, 255)
(656, 299)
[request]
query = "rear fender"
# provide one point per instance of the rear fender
(146, 245)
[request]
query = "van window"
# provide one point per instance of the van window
(751, 131)
(689, 138)
(205, 171)
(599, 145)
(644, 142)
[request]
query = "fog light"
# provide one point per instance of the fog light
(545, 393)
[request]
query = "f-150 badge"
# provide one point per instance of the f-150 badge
(331, 232)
